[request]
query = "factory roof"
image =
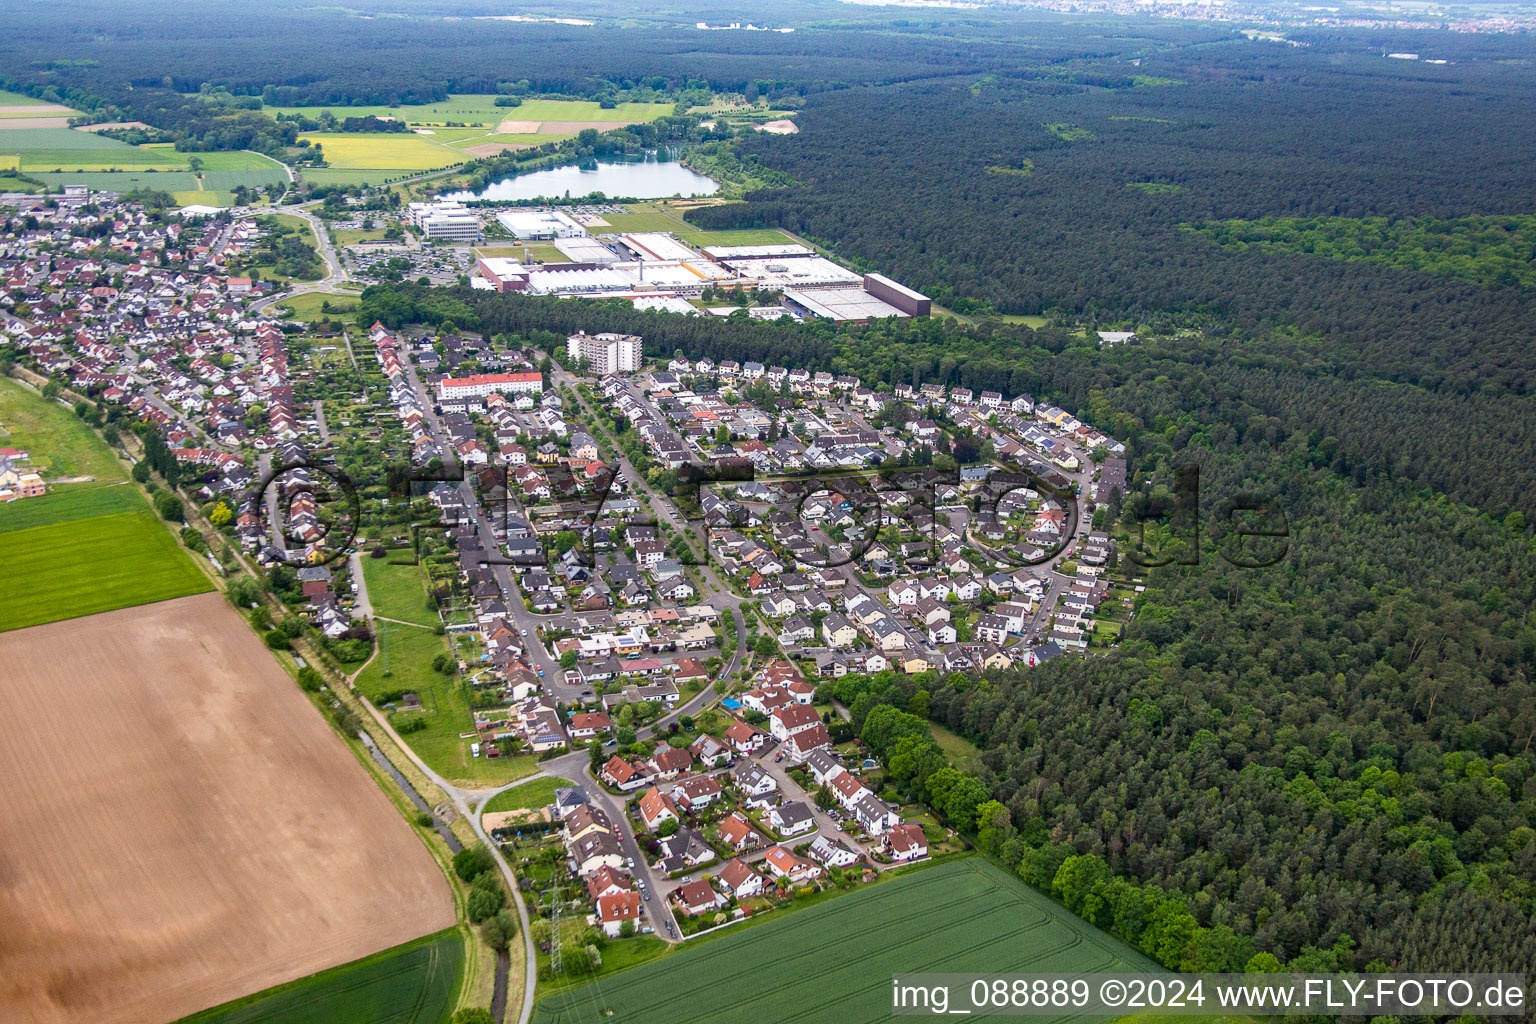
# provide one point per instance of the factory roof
(841, 303)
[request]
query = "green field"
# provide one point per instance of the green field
(404, 662)
(416, 983)
(532, 794)
(645, 217)
(122, 181)
(16, 99)
(834, 962)
(60, 444)
(84, 566)
(741, 236)
(56, 150)
(64, 504)
(398, 592)
(306, 306)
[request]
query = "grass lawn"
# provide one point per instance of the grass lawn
(530, 795)
(65, 504)
(404, 661)
(1027, 319)
(397, 591)
(835, 962)
(416, 983)
(962, 753)
(370, 150)
(741, 236)
(354, 175)
(58, 442)
(351, 236)
(307, 305)
(84, 566)
(526, 253)
(646, 217)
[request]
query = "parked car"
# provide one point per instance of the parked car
(630, 861)
(645, 895)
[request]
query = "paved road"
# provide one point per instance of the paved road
(362, 607)
(469, 802)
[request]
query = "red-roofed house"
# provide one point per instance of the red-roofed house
(613, 910)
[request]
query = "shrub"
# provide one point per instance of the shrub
(471, 861)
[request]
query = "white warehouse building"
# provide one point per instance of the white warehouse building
(606, 353)
(538, 224)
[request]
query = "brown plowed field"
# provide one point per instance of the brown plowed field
(179, 826)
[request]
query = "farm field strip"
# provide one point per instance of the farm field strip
(76, 501)
(835, 960)
(218, 840)
(412, 984)
(64, 570)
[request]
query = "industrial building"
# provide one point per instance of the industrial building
(791, 271)
(666, 304)
(845, 305)
(445, 219)
(526, 225)
(606, 352)
(899, 295)
(755, 252)
(482, 384)
(586, 250)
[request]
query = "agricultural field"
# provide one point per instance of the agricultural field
(60, 445)
(218, 840)
(481, 109)
(83, 566)
(412, 984)
(835, 961)
(531, 795)
(65, 504)
(404, 663)
(81, 157)
(394, 152)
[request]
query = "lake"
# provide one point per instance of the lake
(651, 178)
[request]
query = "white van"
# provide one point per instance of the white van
(474, 750)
